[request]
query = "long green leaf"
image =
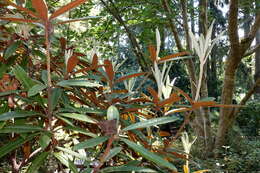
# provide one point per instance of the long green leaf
(90, 143)
(82, 131)
(113, 152)
(36, 89)
(72, 167)
(11, 49)
(37, 162)
(126, 169)
(17, 114)
(20, 129)
(21, 75)
(44, 141)
(149, 155)
(10, 146)
(151, 122)
(55, 97)
(79, 117)
(62, 158)
(9, 92)
(75, 82)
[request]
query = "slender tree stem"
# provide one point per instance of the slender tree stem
(48, 45)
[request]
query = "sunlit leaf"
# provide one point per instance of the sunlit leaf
(41, 8)
(73, 153)
(149, 155)
(202, 171)
(66, 8)
(151, 122)
(90, 143)
(76, 82)
(79, 117)
(112, 113)
(186, 169)
(29, 12)
(126, 169)
(36, 89)
(168, 57)
(37, 162)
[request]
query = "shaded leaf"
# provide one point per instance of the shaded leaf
(37, 162)
(41, 8)
(72, 167)
(20, 129)
(90, 143)
(10, 146)
(79, 117)
(149, 155)
(82, 131)
(130, 76)
(16, 114)
(152, 51)
(113, 152)
(36, 89)
(19, 19)
(11, 49)
(55, 97)
(66, 8)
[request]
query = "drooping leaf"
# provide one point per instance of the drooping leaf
(66, 8)
(16, 114)
(37, 162)
(72, 62)
(130, 76)
(126, 169)
(62, 158)
(149, 155)
(79, 117)
(11, 49)
(20, 129)
(36, 89)
(154, 94)
(172, 99)
(10, 146)
(151, 122)
(72, 167)
(41, 8)
(55, 97)
(90, 143)
(75, 82)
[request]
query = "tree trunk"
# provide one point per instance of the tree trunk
(237, 52)
(257, 57)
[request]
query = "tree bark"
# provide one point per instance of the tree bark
(257, 57)
(237, 51)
